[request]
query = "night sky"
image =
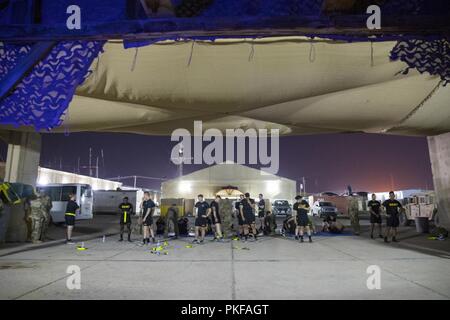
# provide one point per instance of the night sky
(367, 162)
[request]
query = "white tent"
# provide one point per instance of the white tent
(211, 180)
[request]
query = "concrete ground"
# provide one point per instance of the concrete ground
(271, 268)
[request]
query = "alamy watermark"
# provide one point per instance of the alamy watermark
(73, 21)
(374, 20)
(73, 282)
(234, 142)
(374, 280)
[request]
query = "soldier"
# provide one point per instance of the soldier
(70, 216)
(172, 215)
(237, 207)
(247, 215)
(27, 217)
(289, 226)
(353, 212)
(216, 219)
(393, 208)
(126, 210)
(37, 216)
(301, 219)
(375, 215)
(47, 217)
(226, 214)
(138, 227)
(148, 208)
(269, 223)
(261, 210)
(202, 211)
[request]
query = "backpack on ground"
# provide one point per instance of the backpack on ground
(160, 224)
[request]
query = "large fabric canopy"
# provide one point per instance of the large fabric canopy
(294, 84)
(302, 66)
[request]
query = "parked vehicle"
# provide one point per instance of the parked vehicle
(323, 208)
(281, 207)
(107, 201)
(59, 193)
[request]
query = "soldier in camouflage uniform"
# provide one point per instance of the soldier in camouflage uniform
(27, 216)
(47, 202)
(37, 216)
(172, 215)
(353, 212)
(226, 215)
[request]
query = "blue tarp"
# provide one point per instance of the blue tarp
(208, 14)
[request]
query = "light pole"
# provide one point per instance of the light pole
(181, 160)
(304, 186)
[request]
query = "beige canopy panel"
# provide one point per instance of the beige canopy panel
(293, 84)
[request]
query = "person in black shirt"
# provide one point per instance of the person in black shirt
(261, 210)
(247, 214)
(202, 212)
(126, 210)
(71, 210)
(240, 221)
(375, 215)
(148, 208)
(215, 218)
(393, 209)
(302, 220)
(270, 223)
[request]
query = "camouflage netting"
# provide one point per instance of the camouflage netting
(42, 96)
(425, 56)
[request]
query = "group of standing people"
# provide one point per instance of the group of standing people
(38, 206)
(246, 211)
(392, 209)
(38, 217)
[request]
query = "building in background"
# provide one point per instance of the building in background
(48, 176)
(51, 176)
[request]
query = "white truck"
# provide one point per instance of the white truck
(107, 201)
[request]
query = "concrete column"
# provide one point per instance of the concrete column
(24, 151)
(22, 162)
(439, 148)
